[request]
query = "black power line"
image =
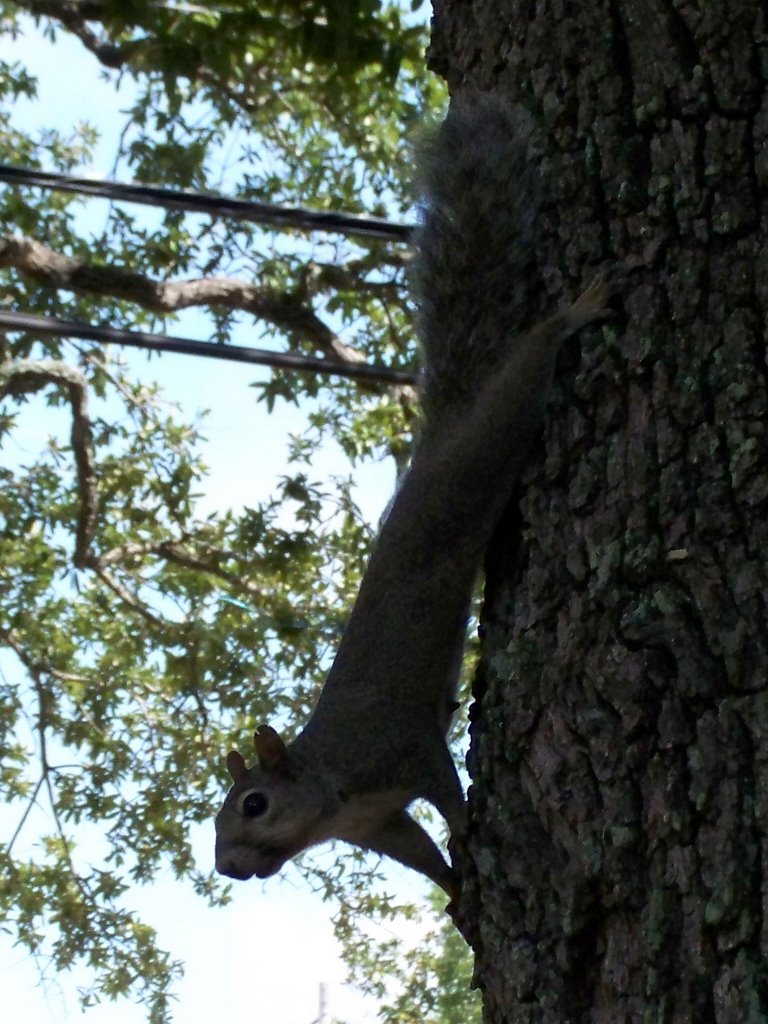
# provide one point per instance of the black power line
(188, 346)
(216, 205)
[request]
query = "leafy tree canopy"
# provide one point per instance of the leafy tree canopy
(133, 622)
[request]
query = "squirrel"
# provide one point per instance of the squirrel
(376, 739)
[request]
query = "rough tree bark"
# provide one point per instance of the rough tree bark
(617, 862)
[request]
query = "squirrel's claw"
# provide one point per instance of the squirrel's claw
(593, 303)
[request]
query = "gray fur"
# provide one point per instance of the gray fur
(376, 740)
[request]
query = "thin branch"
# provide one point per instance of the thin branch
(37, 668)
(45, 779)
(34, 665)
(28, 375)
(119, 554)
(104, 365)
(45, 766)
(130, 599)
(25, 815)
(317, 277)
(172, 551)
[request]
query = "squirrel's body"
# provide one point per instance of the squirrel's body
(376, 739)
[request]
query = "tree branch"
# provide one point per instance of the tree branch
(75, 16)
(149, 51)
(286, 310)
(131, 600)
(34, 665)
(172, 551)
(320, 277)
(28, 375)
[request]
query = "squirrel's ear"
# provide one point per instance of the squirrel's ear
(236, 766)
(270, 749)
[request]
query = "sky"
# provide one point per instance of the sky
(272, 947)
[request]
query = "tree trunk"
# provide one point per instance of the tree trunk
(617, 863)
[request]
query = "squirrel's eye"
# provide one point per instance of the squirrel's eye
(254, 805)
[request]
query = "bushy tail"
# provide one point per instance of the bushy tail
(475, 245)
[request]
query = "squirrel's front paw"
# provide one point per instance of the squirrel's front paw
(594, 301)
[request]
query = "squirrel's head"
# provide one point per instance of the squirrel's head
(272, 812)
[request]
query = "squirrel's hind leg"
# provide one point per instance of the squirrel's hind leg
(401, 838)
(442, 788)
